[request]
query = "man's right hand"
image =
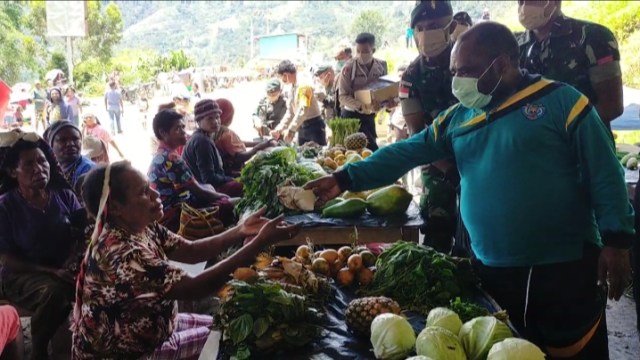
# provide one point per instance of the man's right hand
(325, 188)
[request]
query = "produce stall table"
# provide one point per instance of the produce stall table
(337, 342)
(370, 229)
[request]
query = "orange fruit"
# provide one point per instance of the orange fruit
(355, 262)
(345, 277)
(330, 255)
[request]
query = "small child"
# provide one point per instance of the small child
(143, 107)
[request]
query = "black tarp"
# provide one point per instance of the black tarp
(338, 343)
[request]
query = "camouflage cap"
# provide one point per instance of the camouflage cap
(429, 10)
(321, 69)
(273, 85)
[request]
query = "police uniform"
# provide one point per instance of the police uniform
(426, 89)
(354, 77)
(577, 52)
(303, 115)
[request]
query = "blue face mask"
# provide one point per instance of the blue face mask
(465, 89)
(339, 65)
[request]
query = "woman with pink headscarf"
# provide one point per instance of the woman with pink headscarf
(232, 149)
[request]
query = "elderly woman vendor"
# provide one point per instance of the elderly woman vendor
(41, 225)
(127, 288)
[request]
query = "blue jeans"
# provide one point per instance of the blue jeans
(114, 115)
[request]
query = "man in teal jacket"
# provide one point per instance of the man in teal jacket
(539, 178)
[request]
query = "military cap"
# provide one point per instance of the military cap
(273, 85)
(428, 10)
(321, 69)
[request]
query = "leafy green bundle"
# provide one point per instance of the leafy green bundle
(263, 317)
(264, 173)
(341, 128)
(418, 277)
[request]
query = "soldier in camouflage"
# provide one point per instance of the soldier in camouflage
(425, 91)
(328, 95)
(271, 109)
(582, 54)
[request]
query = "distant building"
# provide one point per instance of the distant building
(292, 46)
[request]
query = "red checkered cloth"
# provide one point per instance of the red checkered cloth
(188, 339)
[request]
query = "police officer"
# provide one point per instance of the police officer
(579, 53)
(425, 91)
(327, 97)
(271, 109)
(357, 74)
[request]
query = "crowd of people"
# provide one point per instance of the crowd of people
(500, 123)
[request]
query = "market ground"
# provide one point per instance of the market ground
(624, 341)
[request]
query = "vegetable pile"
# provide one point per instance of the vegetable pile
(419, 278)
(445, 337)
(341, 128)
(268, 170)
(262, 317)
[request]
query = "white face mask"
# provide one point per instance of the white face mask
(533, 17)
(432, 42)
(466, 90)
(366, 59)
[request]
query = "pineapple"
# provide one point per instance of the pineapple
(356, 141)
(361, 312)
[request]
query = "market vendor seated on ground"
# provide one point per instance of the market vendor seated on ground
(540, 183)
(232, 149)
(170, 175)
(41, 226)
(202, 155)
(66, 141)
(127, 288)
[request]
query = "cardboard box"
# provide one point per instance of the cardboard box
(382, 91)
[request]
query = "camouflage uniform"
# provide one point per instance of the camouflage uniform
(268, 115)
(428, 89)
(577, 52)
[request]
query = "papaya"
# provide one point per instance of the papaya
(346, 209)
(331, 203)
(355, 195)
(390, 200)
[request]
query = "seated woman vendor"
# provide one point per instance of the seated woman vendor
(66, 141)
(127, 288)
(201, 153)
(170, 176)
(232, 149)
(41, 223)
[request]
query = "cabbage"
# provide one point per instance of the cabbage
(392, 337)
(439, 343)
(514, 348)
(478, 336)
(445, 318)
(419, 357)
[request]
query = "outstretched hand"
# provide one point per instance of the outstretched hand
(253, 223)
(325, 188)
(276, 230)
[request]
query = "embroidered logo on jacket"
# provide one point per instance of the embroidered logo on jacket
(533, 111)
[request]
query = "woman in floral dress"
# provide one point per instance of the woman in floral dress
(127, 288)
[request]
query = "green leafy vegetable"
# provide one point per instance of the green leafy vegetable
(444, 318)
(264, 173)
(262, 317)
(418, 277)
(514, 348)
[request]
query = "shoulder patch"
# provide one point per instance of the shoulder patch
(533, 111)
